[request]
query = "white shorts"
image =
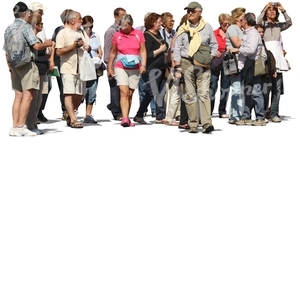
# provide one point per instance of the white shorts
(73, 85)
(128, 77)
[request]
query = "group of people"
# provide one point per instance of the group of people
(176, 72)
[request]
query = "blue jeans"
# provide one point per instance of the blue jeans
(224, 92)
(91, 91)
(254, 98)
(237, 106)
(142, 91)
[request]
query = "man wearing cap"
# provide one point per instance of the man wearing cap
(196, 37)
(25, 79)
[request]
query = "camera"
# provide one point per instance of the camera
(227, 56)
(275, 3)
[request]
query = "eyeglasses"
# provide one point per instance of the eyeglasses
(225, 24)
(158, 22)
(191, 10)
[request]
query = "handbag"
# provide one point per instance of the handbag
(217, 63)
(259, 66)
(129, 63)
(230, 64)
(87, 68)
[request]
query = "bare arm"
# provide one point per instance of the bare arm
(112, 55)
(143, 53)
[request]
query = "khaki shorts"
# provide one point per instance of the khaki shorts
(25, 77)
(72, 84)
(128, 77)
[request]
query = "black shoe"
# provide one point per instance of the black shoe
(42, 118)
(153, 115)
(208, 129)
(118, 118)
(139, 120)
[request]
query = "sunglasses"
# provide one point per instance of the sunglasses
(191, 10)
(225, 24)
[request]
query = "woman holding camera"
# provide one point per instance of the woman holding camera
(269, 19)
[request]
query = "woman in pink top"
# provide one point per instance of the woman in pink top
(127, 61)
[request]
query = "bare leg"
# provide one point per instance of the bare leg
(124, 100)
(21, 107)
(70, 106)
(89, 109)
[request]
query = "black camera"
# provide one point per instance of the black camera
(227, 56)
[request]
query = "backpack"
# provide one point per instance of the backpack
(18, 52)
(270, 64)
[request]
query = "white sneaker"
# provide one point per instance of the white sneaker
(24, 131)
(14, 132)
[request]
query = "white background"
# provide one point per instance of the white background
(149, 212)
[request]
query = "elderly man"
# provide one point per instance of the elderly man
(114, 105)
(195, 46)
(70, 45)
(25, 78)
(250, 51)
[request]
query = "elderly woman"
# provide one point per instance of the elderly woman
(156, 69)
(41, 61)
(128, 54)
(234, 38)
(96, 52)
(269, 20)
(216, 68)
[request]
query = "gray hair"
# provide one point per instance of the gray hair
(126, 19)
(64, 15)
(72, 15)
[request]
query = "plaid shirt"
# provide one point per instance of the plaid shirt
(108, 36)
(27, 32)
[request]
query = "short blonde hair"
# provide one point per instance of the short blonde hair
(223, 17)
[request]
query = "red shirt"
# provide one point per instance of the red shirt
(221, 40)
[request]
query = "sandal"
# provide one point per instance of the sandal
(125, 122)
(76, 124)
(184, 126)
(67, 118)
(173, 123)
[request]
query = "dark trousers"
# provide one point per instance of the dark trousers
(224, 90)
(184, 118)
(156, 87)
(45, 96)
(114, 105)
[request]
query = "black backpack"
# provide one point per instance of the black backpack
(270, 64)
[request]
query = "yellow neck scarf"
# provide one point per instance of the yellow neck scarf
(195, 41)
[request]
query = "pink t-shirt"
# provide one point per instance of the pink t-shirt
(128, 44)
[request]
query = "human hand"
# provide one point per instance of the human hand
(142, 69)
(163, 47)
